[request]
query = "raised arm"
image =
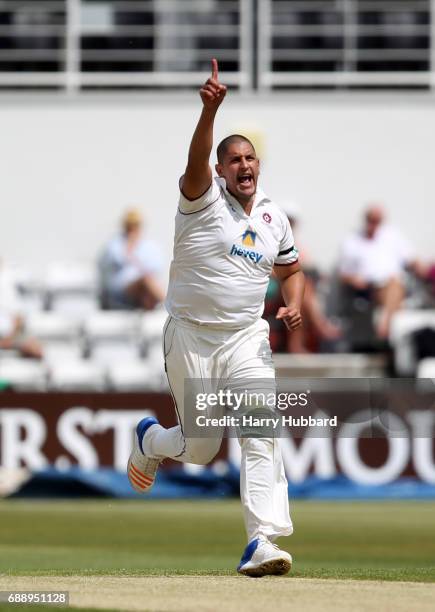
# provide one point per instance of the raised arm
(198, 175)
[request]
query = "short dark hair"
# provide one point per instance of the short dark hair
(229, 140)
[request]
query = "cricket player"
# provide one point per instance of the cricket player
(229, 237)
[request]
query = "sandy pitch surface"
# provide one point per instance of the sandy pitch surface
(231, 593)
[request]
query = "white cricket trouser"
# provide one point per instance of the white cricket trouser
(197, 352)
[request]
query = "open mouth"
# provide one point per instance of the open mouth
(245, 179)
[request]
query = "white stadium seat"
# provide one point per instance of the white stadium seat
(426, 368)
(51, 325)
(152, 326)
(56, 351)
(24, 374)
(70, 276)
(31, 302)
(9, 353)
(77, 375)
(71, 288)
(112, 324)
(130, 376)
(75, 305)
(106, 352)
(403, 325)
(22, 288)
(113, 336)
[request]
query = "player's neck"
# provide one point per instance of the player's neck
(248, 207)
(246, 203)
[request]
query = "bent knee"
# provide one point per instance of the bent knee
(201, 452)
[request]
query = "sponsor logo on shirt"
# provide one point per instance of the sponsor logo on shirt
(241, 252)
(249, 237)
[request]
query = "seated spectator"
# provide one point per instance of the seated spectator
(430, 280)
(11, 323)
(316, 327)
(129, 266)
(372, 263)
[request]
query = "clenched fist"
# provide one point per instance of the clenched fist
(291, 317)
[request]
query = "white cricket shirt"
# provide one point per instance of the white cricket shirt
(376, 259)
(223, 257)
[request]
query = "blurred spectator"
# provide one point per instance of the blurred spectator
(372, 263)
(11, 323)
(430, 279)
(129, 266)
(316, 327)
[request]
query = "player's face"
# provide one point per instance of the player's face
(240, 169)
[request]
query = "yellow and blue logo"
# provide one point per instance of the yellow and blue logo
(249, 237)
(248, 240)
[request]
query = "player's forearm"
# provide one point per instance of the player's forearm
(198, 175)
(292, 289)
(202, 140)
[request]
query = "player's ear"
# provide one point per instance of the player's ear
(218, 169)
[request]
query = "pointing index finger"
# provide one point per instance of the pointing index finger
(214, 69)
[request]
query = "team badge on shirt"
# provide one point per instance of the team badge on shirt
(249, 237)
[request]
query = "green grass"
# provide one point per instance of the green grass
(4, 607)
(373, 540)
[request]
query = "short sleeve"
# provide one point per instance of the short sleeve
(188, 207)
(288, 252)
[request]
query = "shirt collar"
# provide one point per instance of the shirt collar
(260, 197)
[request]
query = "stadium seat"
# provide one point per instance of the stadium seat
(426, 368)
(28, 287)
(113, 336)
(76, 375)
(31, 301)
(51, 326)
(24, 374)
(71, 288)
(105, 325)
(133, 375)
(55, 351)
(8, 353)
(106, 352)
(76, 305)
(71, 277)
(404, 324)
(152, 326)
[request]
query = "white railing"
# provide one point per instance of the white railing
(347, 43)
(83, 44)
(74, 44)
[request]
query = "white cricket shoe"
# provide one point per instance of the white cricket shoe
(262, 558)
(142, 468)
